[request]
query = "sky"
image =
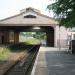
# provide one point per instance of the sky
(13, 7)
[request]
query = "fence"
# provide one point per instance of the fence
(63, 43)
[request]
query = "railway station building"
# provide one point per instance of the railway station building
(25, 21)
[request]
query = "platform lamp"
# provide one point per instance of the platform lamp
(71, 40)
(36, 27)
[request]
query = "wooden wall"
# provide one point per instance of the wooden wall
(6, 37)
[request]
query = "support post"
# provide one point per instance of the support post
(16, 37)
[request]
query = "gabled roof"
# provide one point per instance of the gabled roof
(19, 19)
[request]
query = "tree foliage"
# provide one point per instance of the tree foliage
(28, 34)
(64, 11)
(40, 35)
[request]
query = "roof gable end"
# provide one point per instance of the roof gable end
(29, 16)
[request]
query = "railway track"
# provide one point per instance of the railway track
(24, 66)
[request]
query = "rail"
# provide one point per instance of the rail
(26, 63)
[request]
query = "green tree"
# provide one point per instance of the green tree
(28, 34)
(40, 35)
(64, 11)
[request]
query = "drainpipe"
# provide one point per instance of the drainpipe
(59, 38)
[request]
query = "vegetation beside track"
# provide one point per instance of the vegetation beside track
(5, 51)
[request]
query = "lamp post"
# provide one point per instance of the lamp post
(71, 41)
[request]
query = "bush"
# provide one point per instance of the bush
(32, 41)
(19, 47)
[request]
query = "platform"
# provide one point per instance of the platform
(52, 61)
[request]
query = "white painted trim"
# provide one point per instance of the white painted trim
(35, 64)
(30, 13)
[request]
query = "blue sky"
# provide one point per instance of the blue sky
(12, 7)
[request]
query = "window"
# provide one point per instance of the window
(29, 16)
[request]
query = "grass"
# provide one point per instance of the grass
(4, 53)
(32, 41)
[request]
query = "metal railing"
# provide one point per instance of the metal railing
(62, 43)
